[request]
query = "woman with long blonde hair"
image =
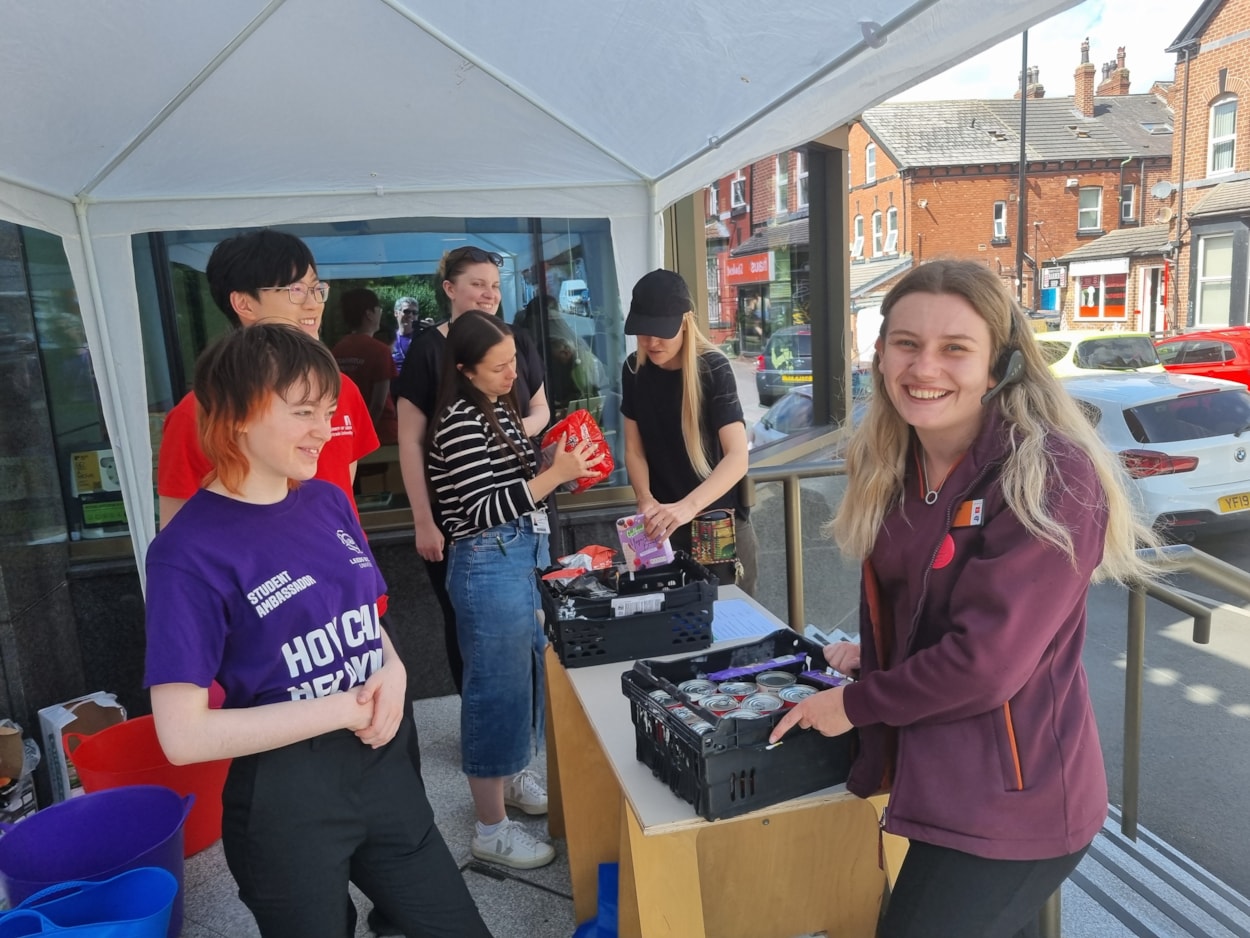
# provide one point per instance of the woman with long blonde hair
(982, 505)
(685, 436)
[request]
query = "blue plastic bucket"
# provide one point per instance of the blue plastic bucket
(133, 904)
(94, 837)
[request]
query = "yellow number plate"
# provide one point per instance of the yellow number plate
(1235, 502)
(796, 379)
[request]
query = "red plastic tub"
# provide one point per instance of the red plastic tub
(130, 754)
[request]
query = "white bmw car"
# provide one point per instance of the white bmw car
(1184, 440)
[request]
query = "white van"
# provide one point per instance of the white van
(575, 297)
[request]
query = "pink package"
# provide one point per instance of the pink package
(640, 550)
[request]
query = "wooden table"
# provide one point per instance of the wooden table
(805, 865)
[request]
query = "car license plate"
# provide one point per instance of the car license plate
(796, 379)
(1235, 502)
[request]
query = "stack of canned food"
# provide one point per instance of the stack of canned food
(733, 700)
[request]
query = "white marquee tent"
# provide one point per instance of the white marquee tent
(130, 116)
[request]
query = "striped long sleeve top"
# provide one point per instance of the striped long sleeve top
(477, 480)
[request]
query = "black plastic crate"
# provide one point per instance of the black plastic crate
(729, 771)
(596, 635)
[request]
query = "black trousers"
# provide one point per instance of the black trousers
(437, 569)
(944, 893)
(300, 821)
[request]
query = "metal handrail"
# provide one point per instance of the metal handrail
(1180, 558)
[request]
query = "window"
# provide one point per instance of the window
(870, 163)
(891, 231)
(782, 183)
(49, 378)
(1128, 207)
(1000, 221)
(800, 171)
(1222, 136)
(567, 260)
(1114, 352)
(738, 190)
(1089, 216)
(876, 234)
(857, 243)
(1190, 417)
(1101, 296)
(713, 201)
(1196, 352)
(1215, 279)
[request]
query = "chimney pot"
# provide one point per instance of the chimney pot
(1085, 51)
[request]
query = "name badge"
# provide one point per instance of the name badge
(970, 514)
(542, 524)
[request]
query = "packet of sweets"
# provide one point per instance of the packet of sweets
(579, 425)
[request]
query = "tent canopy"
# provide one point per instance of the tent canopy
(160, 115)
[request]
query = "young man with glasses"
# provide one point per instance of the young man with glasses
(264, 276)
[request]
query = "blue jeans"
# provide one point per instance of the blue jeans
(490, 578)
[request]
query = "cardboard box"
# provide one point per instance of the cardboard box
(18, 758)
(82, 715)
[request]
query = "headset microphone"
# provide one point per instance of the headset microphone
(1010, 373)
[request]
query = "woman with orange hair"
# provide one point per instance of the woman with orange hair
(264, 582)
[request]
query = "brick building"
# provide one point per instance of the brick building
(942, 178)
(757, 249)
(1209, 211)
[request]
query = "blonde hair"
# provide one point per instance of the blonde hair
(1035, 409)
(693, 347)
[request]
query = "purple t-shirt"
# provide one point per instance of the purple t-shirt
(274, 602)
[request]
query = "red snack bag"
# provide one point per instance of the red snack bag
(579, 425)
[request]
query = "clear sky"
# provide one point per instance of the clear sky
(1144, 27)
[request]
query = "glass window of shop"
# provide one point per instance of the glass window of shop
(562, 266)
(57, 475)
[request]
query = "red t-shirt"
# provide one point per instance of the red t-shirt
(368, 362)
(182, 466)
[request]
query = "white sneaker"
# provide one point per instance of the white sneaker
(512, 845)
(526, 793)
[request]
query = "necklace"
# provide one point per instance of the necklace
(930, 493)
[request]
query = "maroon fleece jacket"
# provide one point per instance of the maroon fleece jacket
(972, 703)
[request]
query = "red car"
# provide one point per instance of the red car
(1212, 353)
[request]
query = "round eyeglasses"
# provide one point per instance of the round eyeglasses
(298, 292)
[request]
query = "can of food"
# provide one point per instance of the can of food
(794, 693)
(701, 727)
(662, 697)
(739, 690)
(763, 703)
(772, 681)
(743, 715)
(719, 703)
(697, 688)
(685, 714)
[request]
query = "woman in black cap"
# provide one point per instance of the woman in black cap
(678, 386)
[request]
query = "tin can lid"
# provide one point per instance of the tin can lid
(775, 679)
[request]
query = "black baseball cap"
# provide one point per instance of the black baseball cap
(661, 298)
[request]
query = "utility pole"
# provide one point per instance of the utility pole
(1022, 197)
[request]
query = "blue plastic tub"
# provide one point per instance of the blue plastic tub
(96, 836)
